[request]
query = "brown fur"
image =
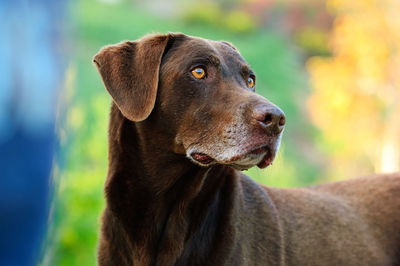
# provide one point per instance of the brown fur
(166, 208)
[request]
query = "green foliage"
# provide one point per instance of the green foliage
(210, 14)
(239, 22)
(84, 134)
(313, 41)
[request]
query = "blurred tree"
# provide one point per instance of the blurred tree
(355, 100)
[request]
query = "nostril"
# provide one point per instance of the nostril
(282, 121)
(268, 119)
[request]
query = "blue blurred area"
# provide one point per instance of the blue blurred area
(30, 74)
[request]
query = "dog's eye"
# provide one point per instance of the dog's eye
(199, 73)
(250, 83)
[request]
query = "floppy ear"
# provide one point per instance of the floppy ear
(130, 73)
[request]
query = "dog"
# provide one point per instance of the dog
(185, 119)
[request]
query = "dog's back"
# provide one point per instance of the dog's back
(354, 222)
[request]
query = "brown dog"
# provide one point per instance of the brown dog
(184, 118)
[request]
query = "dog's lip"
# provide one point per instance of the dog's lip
(267, 153)
(202, 158)
(260, 149)
(267, 159)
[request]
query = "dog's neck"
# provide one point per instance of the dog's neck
(150, 204)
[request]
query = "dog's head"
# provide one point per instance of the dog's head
(200, 93)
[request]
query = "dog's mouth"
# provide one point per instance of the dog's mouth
(267, 159)
(202, 158)
(262, 156)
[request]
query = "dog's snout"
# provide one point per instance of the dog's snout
(270, 117)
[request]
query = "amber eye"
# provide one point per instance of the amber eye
(250, 83)
(199, 73)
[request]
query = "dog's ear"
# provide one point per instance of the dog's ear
(130, 71)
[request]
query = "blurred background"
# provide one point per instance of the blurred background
(333, 66)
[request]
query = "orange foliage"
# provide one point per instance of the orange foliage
(355, 98)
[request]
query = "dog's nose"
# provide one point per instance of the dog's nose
(270, 117)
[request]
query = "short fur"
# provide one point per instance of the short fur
(165, 206)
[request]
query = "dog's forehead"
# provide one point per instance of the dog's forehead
(195, 47)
